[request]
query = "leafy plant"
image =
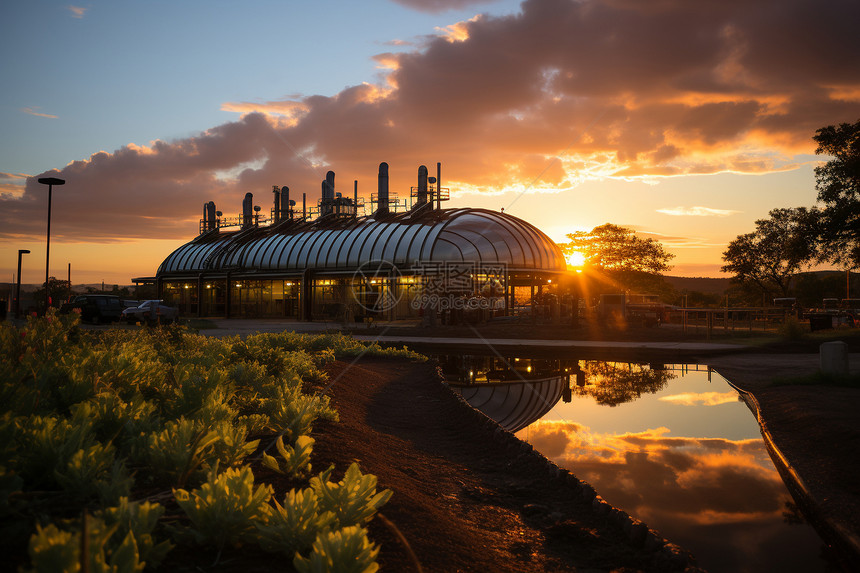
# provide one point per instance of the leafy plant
(181, 450)
(140, 520)
(92, 472)
(224, 510)
(53, 549)
(232, 445)
(353, 500)
(344, 550)
(294, 525)
(79, 407)
(293, 413)
(295, 460)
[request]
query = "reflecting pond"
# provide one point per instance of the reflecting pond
(673, 445)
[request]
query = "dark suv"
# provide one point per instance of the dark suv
(96, 308)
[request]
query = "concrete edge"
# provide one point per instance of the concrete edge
(830, 530)
(667, 555)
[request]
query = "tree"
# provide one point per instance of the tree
(60, 293)
(838, 185)
(613, 248)
(770, 256)
(631, 262)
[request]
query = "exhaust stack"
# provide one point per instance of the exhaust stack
(422, 187)
(210, 221)
(286, 207)
(327, 202)
(248, 210)
(382, 193)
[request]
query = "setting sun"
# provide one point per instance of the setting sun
(576, 259)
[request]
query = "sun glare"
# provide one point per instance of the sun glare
(575, 259)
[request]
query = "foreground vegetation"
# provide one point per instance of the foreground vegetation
(118, 446)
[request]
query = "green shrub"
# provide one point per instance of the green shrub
(344, 550)
(353, 500)
(79, 407)
(139, 520)
(182, 450)
(294, 525)
(225, 509)
(295, 460)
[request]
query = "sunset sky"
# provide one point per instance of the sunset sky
(685, 120)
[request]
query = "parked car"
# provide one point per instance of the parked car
(151, 312)
(96, 308)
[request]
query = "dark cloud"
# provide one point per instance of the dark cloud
(597, 86)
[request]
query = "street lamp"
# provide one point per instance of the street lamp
(18, 286)
(50, 182)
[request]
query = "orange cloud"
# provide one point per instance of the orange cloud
(697, 211)
(703, 398)
(32, 111)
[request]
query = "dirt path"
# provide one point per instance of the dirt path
(469, 497)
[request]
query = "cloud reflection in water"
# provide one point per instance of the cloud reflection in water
(720, 493)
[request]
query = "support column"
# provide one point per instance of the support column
(228, 297)
(307, 290)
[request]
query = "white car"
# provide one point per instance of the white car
(151, 312)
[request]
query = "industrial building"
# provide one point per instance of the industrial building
(404, 259)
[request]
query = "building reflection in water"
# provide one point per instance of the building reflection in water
(514, 392)
(676, 449)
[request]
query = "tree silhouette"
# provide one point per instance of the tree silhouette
(612, 383)
(770, 256)
(838, 185)
(60, 292)
(631, 261)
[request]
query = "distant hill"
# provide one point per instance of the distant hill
(700, 284)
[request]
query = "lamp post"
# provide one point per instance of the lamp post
(50, 182)
(21, 252)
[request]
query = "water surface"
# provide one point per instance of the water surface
(672, 445)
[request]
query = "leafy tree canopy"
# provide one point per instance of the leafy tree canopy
(770, 256)
(613, 248)
(838, 185)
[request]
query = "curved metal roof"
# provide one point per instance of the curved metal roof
(403, 239)
(514, 405)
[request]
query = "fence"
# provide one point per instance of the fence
(759, 319)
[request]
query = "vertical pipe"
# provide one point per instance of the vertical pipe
(277, 193)
(355, 197)
(69, 279)
(286, 210)
(304, 206)
(438, 185)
